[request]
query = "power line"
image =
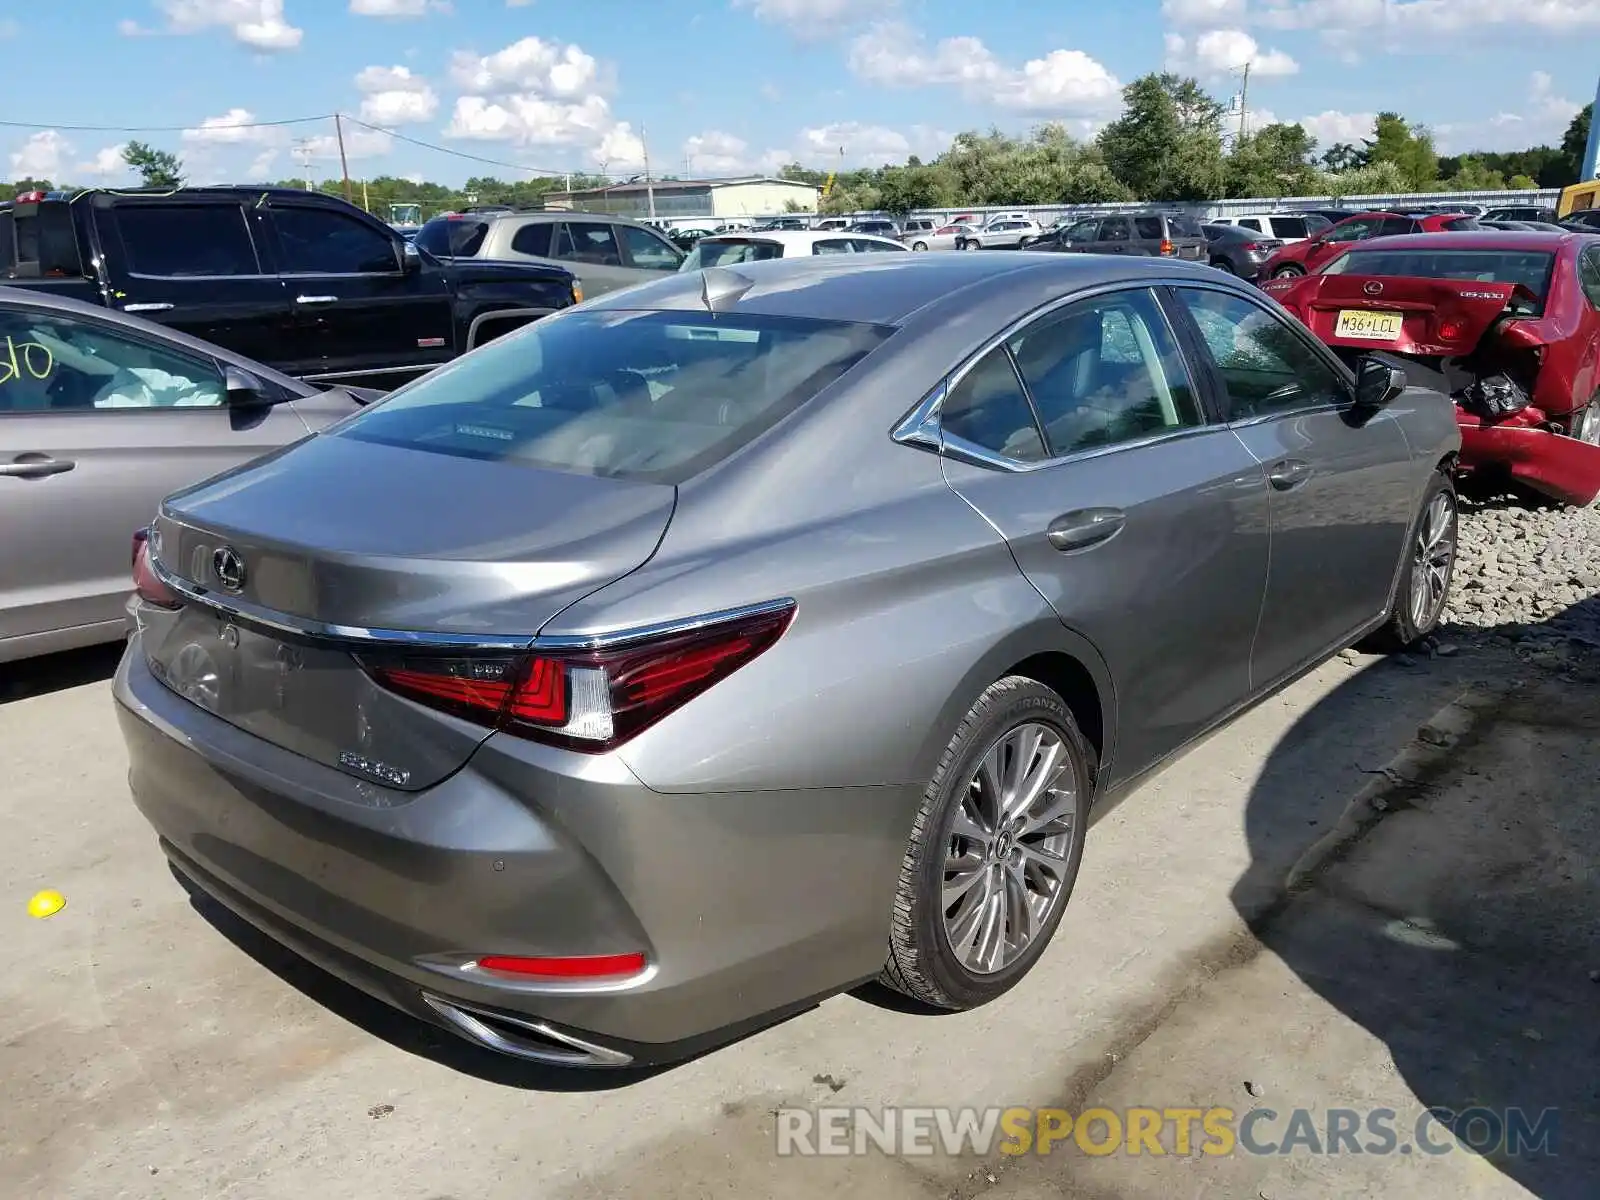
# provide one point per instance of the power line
(161, 128)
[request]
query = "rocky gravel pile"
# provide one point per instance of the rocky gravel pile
(1526, 573)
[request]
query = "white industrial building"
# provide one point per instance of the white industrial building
(752, 196)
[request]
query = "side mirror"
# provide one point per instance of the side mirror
(1377, 384)
(410, 258)
(243, 389)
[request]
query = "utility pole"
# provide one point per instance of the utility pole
(649, 187)
(344, 165)
(1244, 102)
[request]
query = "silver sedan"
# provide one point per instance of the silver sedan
(716, 646)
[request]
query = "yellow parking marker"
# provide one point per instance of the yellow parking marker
(46, 903)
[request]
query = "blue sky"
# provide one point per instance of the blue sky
(731, 86)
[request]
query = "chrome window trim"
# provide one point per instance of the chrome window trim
(920, 426)
(273, 621)
(368, 372)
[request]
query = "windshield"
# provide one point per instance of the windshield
(1531, 268)
(452, 237)
(634, 394)
(725, 252)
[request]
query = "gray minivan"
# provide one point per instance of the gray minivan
(1166, 234)
(604, 252)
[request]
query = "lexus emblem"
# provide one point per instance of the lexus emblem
(1372, 287)
(228, 566)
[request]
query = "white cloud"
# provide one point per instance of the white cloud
(863, 145)
(236, 127)
(394, 96)
(358, 143)
(48, 154)
(258, 24)
(1203, 12)
(539, 92)
(1331, 127)
(1409, 24)
(1542, 118)
(398, 8)
(806, 18)
(107, 161)
(716, 153)
(893, 54)
(1218, 52)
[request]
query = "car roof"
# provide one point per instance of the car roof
(1474, 239)
(888, 289)
(795, 237)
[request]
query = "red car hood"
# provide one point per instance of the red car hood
(1433, 317)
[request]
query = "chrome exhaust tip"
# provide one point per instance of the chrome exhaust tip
(523, 1037)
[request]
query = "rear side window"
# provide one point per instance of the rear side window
(186, 240)
(1148, 228)
(452, 237)
(1462, 223)
(1289, 227)
(647, 395)
(989, 409)
(589, 242)
(720, 253)
(533, 239)
(1250, 223)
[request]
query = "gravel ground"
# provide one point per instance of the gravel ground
(1526, 574)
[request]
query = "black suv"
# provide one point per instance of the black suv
(301, 281)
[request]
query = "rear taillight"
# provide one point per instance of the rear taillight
(1451, 331)
(589, 700)
(1167, 247)
(145, 580)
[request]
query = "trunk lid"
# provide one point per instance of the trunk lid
(336, 537)
(1438, 318)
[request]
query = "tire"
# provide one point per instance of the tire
(919, 245)
(1585, 425)
(1289, 271)
(972, 245)
(1223, 264)
(1410, 620)
(1022, 243)
(923, 961)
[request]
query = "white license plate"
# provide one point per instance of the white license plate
(1371, 326)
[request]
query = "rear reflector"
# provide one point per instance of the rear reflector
(146, 582)
(595, 966)
(590, 700)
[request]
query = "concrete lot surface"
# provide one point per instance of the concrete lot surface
(148, 1049)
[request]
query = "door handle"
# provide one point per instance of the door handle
(1085, 527)
(35, 466)
(151, 307)
(1289, 474)
(316, 299)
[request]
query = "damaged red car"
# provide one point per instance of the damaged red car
(1507, 323)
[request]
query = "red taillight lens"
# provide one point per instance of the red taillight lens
(1167, 247)
(145, 580)
(591, 966)
(590, 700)
(1450, 331)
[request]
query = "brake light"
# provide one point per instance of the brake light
(146, 582)
(591, 966)
(583, 699)
(34, 197)
(1167, 247)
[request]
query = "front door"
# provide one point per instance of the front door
(96, 426)
(1341, 484)
(360, 315)
(1140, 519)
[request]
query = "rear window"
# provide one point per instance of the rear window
(646, 395)
(727, 252)
(1531, 268)
(452, 237)
(1183, 225)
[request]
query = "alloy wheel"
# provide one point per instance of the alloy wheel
(1007, 856)
(1586, 425)
(1431, 559)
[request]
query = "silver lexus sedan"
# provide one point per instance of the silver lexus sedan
(722, 644)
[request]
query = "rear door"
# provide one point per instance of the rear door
(1139, 516)
(200, 264)
(1115, 236)
(1342, 489)
(97, 424)
(362, 310)
(591, 250)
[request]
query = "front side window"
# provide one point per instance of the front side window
(989, 409)
(186, 240)
(647, 251)
(1084, 231)
(864, 246)
(1105, 371)
(590, 242)
(1265, 366)
(1352, 231)
(50, 364)
(318, 241)
(633, 394)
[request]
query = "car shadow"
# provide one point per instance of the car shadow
(57, 672)
(1461, 926)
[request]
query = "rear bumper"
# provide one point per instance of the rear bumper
(734, 898)
(1560, 467)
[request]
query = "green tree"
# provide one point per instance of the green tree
(1374, 179)
(158, 168)
(1167, 145)
(1576, 142)
(1410, 150)
(1342, 156)
(1273, 161)
(1472, 174)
